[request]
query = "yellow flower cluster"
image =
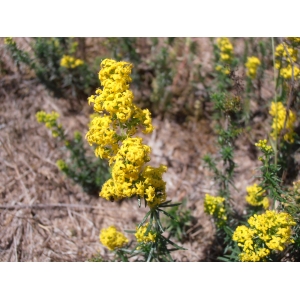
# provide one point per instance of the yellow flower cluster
(226, 54)
(126, 170)
(153, 186)
(70, 62)
(215, 206)
(117, 101)
(278, 112)
(9, 41)
(141, 237)
(256, 197)
(116, 98)
(262, 145)
(283, 61)
(48, 119)
(269, 231)
(252, 65)
(111, 129)
(226, 49)
(62, 165)
(112, 239)
(294, 40)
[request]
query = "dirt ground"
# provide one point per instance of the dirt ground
(45, 217)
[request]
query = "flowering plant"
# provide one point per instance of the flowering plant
(111, 131)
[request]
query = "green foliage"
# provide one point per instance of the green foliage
(161, 247)
(45, 60)
(87, 171)
(180, 223)
(227, 132)
(123, 49)
(277, 161)
(161, 63)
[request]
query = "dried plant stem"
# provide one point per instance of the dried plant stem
(276, 118)
(275, 150)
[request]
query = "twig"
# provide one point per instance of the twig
(38, 156)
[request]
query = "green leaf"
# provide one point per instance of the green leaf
(130, 231)
(223, 259)
(150, 254)
(166, 202)
(150, 225)
(170, 205)
(169, 256)
(144, 219)
(172, 243)
(167, 214)
(156, 215)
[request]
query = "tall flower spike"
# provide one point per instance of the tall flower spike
(112, 127)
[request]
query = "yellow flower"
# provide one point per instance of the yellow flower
(9, 41)
(279, 112)
(141, 237)
(112, 239)
(61, 165)
(252, 65)
(288, 71)
(214, 206)
(43, 117)
(281, 52)
(294, 40)
(255, 196)
(268, 232)
(226, 49)
(115, 121)
(262, 145)
(226, 55)
(70, 62)
(285, 57)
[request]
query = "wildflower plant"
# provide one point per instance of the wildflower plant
(82, 169)
(286, 57)
(252, 65)
(71, 62)
(161, 62)
(225, 63)
(214, 206)
(225, 106)
(220, 207)
(225, 55)
(256, 196)
(56, 67)
(256, 60)
(111, 131)
(270, 233)
(267, 233)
